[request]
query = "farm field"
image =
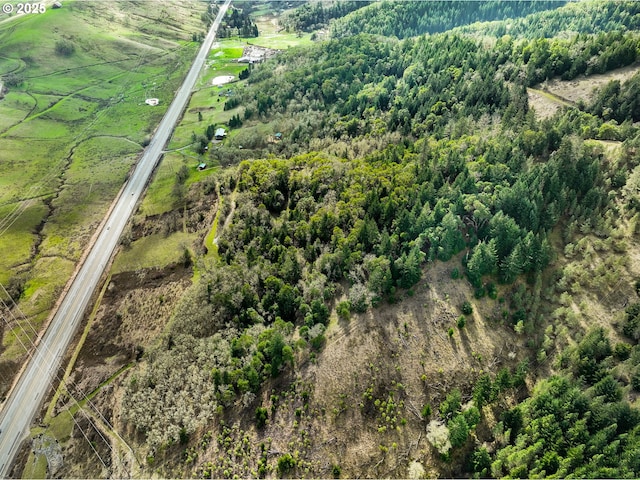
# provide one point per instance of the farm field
(72, 123)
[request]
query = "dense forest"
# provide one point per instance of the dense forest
(237, 22)
(403, 20)
(317, 15)
(305, 226)
(473, 176)
(361, 87)
(404, 148)
(592, 16)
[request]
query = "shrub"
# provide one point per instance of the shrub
(472, 416)
(635, 381)
(631, 327)
(481, 461)
(286, 463)
(492, 291)
(458, 431)
(261, 417)
(462, 322)
(359, 298)
(336, 470)
(622, 351)
(13, 79)
(608, 388)
(451, 404)
(344, 310)
(467, 308)
(426, 411)
(65, 48)
(184, 436)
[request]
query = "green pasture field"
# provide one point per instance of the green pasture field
(28, 168)
(96, 178)
(70, 109)
(158, 198)
(14, 108)
(272, 37)
(43, 288)
(16, 237)
(40, 103)
(70, 131)
(153, 251)
(8, 65)
(282, 41)
(42, 129)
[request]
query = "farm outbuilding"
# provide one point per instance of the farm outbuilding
(220, 134)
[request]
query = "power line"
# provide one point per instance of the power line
(28, 353)
(62, 381)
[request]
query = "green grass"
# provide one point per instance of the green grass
(14, 108)
(42, 102)
(65, 108)
(8, 65)
(12, 343)
(158, 198)
(198, 175)
(61, 426)
(212, 248)
(282, 41)
(36, 466)
(41, 129)
(17, 240)
(43, 288)
(153, 251)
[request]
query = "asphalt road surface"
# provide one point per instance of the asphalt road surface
(24, 402)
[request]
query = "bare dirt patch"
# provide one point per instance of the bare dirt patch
(135, 309)
(406, 344)
(544, 106)
(400, 353)
(222, 79)
(551, 95)
(582, 88)
(255, 54)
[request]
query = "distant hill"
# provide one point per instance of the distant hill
(315, 15)
(408, 19)
(582, 17)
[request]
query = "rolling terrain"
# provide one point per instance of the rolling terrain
(397, 262)
(76, 97)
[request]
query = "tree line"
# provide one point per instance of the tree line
(409, 19)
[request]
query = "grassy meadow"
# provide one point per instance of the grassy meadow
(72, 124)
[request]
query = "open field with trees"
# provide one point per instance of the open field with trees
(73, 123)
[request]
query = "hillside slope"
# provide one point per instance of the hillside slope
(402, 283)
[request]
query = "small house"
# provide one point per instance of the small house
(57, 4)
(220, 134)
(278, 136)
(202, 166)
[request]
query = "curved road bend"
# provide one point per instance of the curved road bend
(28, 393)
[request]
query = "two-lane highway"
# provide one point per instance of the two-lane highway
(26, 397)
